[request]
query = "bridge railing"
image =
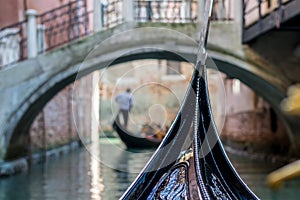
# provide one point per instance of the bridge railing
(223, 10)
(256, 12)
(72, 21)
(169, 11)
(62, 25)
(112, 13)
(13, 44)
(179, 11)
(54, 28)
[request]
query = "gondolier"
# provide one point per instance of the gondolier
(125, 102)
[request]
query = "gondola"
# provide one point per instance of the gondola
(132, 141)
(191, 163)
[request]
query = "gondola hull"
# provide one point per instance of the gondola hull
(191, 163)
(178, 172)
(132, 141)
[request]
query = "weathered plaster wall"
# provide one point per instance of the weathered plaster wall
(11, 12)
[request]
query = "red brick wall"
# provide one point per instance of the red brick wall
(57, 120)
(82, 107)
(250, 122)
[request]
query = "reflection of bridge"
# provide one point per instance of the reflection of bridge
(42, 76)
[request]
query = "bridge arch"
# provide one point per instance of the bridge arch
(165, 44)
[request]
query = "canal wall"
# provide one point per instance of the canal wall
(23, 164)
(251, 125)
(68, 121)
(67, 117)
(54, 125)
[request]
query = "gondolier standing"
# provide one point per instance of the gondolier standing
(125, 103)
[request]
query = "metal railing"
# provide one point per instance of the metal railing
(55, 28)
(71, 21)
(64, 24)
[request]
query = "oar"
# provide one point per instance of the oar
(291, 105)
(277, 177)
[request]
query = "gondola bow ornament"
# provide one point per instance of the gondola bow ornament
(190, 163)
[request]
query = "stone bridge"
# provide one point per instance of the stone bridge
(27, 86)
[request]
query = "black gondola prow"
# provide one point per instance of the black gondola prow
(191, 173)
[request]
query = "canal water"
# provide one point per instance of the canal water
(101, 172)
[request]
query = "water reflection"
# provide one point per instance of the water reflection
(120, 166)
(65, 177)
(96, 181)
(80, 175)
(254, 174)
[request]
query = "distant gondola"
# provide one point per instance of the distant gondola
(191, 163)
(132, 141)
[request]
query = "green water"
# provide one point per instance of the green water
(101, 172)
